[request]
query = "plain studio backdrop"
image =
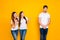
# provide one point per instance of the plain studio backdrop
(31, 9)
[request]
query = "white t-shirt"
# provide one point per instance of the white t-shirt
(44, 18)
(16, 25)
(23, 24)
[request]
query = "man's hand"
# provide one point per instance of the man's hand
(44, 26)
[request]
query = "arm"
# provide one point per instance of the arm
(47, 23)
(12, 24)
(49, 20)
(27, 20)
(41, 23)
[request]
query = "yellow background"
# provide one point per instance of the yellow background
(31, 9)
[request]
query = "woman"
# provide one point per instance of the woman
(22, 25)
(14, 25)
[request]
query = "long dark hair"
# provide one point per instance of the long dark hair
(12, 17)
(20, 18)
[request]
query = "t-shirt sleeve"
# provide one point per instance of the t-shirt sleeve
(39, 15)
(48, 15)
(27, 18)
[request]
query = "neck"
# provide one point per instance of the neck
(21, 16)
(14, 17)
(44, 11)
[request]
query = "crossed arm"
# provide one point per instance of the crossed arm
(44, 26)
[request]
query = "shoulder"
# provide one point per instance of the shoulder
(48, 14)
(40, 14)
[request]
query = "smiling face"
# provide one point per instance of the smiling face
(45, 9)
(22, 14)
(15, 15)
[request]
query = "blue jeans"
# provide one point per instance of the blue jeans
(43, 33)
(22, 34)
(14, 34)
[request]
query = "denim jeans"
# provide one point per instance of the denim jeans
(43, 33)
(22, 34)
(14, 34)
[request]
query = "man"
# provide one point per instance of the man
(44, 20)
